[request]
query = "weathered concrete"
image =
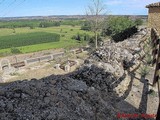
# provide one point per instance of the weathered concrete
(4, 62)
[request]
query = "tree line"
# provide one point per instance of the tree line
(38, 23)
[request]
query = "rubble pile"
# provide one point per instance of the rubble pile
(116, 54)
(85, 94)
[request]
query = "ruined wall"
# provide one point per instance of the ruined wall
(154, 18)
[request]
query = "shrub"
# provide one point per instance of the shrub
(99, 40)
(15, 50)
(138, 22)
(144, 71)
(62, 35)
(152, 92)
(86, 26)
(81, 37)
(73, 25)
(87, 37)
(31, 27)
(119, 28)
(148, 59)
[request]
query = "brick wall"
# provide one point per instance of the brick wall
(154, 18)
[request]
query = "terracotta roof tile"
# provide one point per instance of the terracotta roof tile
(153, 5)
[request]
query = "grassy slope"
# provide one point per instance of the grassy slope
(63, 43)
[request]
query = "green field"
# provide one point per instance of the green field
(66, 32)
(25, 39)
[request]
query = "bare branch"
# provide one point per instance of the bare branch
(95, 16)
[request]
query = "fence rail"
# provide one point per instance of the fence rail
(156, 62)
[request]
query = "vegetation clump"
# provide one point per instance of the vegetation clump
(119, 28)
(15, 50)
(49, 24)
(86, 26)
(81, 37)
(138, 22)
(144, 71)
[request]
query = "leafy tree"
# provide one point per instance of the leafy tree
(138, 22)
(119, 28)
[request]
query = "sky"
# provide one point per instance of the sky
(17, 8)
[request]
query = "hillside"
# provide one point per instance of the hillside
(92, 92)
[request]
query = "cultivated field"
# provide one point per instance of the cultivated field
(65, 31)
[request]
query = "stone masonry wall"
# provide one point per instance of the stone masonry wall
(154, 18)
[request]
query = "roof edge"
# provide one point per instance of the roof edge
(153, 5)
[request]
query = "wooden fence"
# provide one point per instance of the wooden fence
(156, 62)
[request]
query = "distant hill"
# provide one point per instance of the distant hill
(61, 17)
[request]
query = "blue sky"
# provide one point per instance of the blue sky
(14, 8)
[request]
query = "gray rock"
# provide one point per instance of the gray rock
(47, 100)
(109, 67)
(2, 104)
(10, 106)
(23, 96)
(17, 95)
(78, 86)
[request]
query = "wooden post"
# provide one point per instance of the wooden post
(156, 75)
(158, 113)
(156, 61)
(0, 67)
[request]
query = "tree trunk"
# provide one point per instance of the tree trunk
(96, 40)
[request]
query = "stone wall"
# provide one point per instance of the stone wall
(154, 18)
